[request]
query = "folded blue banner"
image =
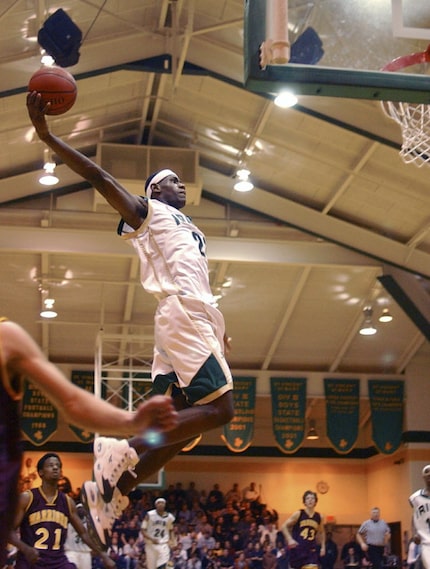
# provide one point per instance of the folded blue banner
(238, 434)
(288, 412)
(39, 416)
(386, 405)
(84, 380)
(342, 412)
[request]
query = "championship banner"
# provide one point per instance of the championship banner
(342, 412)
(288, 412)
(386, 405)
(39, 416)
(238, 434)
(84, 380)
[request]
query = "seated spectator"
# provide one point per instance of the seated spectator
(282, 558)
(226, 559)
(193, 550)
(194, 562)
(217, 494)
(206, 539)
(257, 556)
(240, 561)
(351, 559)
(355, 546)
(179, 557)
(234, 494)
(269, 531)
(192, 494)
(269, 558)
(250, 493)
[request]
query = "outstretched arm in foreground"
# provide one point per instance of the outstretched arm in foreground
(80, 407)
(133, 209)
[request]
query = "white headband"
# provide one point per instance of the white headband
(157, 178)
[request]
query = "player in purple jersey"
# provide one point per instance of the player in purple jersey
(301, 530)
(189, 332)
(20, 356)
(42, 519)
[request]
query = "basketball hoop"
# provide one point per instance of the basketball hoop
(414, 119)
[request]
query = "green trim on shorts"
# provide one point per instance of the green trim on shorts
(209, 379)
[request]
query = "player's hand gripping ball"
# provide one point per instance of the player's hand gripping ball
(56, 86)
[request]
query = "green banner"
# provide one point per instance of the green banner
(342, 412)
(288, 412)
(84, 380)
(39, 416)
(386, 406)
(238, 434)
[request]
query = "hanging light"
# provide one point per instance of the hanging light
(243, 184)
(48, 308)
(285, 100)
(48, 178)
(312, 433)
(367, 328)
(385, 316)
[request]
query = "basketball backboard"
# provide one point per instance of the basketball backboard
(338, 47)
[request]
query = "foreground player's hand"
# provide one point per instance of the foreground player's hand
(158, 413)
(36, 111)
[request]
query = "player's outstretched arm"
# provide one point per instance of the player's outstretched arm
(80, 407)
(132, 209)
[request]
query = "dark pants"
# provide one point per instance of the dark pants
(375, 555)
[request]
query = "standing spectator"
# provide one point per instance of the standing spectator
(301, 530)
(373, 535)
(420, 501)
(329, 559)
(158, 534)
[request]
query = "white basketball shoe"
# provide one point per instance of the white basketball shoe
(101, 516)
(113, 458)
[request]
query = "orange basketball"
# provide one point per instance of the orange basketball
(57, 86)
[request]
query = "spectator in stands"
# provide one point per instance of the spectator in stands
(251, 494)
(355, 546)
(234, 494)
(226, 559)
(351, 559)
(269, 558)
(329, 559)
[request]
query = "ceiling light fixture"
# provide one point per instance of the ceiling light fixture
(285, 99)
(385, 316)
(312, 433)
(48, 178)
(48, 308)
(244, 184)
(367, 328)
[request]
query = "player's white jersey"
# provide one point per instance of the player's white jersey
(421, 505)
(158, 526)
(168, 244)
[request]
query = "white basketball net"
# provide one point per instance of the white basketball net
(414, 120)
